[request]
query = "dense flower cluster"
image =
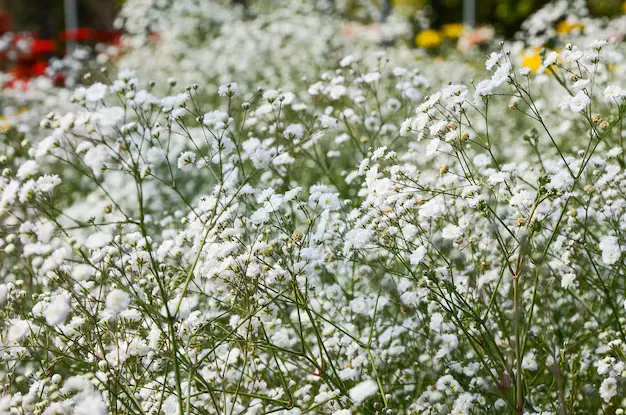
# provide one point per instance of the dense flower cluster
(379, 237)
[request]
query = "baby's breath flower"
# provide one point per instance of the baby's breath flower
(186, 160)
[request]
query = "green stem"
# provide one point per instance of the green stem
(519, 391)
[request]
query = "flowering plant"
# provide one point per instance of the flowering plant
(370, 239)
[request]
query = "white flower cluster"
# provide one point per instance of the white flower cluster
(370, 239)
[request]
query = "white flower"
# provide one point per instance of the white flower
(501, 74)
(329, 201)
(48, 182)
(581, 84)
(451, 232)
(568, 281)
(379, 152)
(18, 329)
(371, 77)
(89, 402)
(498, 177)
(613, 92)
(431, 148)
(614, 152)
(260, 216)
(291, 194)
(358, 238)
(429, 103)
(144, 98)
(9, 193)
(96, 157)
(59, 408)
(405, 127)
(492, 60)
(28, 169)
(117, 301)
(95, 92)
(529, 362)
(230, 90)
(270, 95)
(576, 103)
(449, 342)
(337, 91)
(432, 209)
(294, 131)
(561, 181)
(483, 88)
(347, 61)
(419, 122)
(437, 127)
(186, 160)
(175, 101)
(611, 252)
(418, 255)
(608, 389)
(598, 43)
(363, 391)
(448, 384)
(215, 119)
(550, 59)
(436, 322)
(57, 311)
(98, 240)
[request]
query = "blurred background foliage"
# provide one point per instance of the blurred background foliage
(46, 18)
(505, 16)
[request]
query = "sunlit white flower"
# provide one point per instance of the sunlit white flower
(611, 251)
(58, 310)
(417, 256)
(550, 59)
(451, 232)
(363, 390)
(117, 301)
(96, 92)
(492, 60)
(575, 103)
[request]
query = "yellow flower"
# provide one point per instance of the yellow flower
(565, 26)
(428, 39)
(624, 7)
(452, 30)
(531, 60)
(4, 124)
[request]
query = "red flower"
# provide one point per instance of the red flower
(41, 46)
(79, 34)
(39, 68)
